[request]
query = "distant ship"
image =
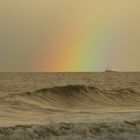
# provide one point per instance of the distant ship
(109, 70)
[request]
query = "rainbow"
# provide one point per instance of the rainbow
(81, 49)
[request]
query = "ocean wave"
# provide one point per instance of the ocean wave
(125, 130)
(72, 97)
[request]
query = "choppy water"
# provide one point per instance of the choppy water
(36, 98)
(22, 82)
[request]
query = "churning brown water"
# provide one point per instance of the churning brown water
(38, 98)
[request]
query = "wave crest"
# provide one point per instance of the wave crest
(75, 96)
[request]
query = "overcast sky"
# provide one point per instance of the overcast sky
(26, 27)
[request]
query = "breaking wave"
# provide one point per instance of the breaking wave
(74, 131)
(72, 97)
(64, 100)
